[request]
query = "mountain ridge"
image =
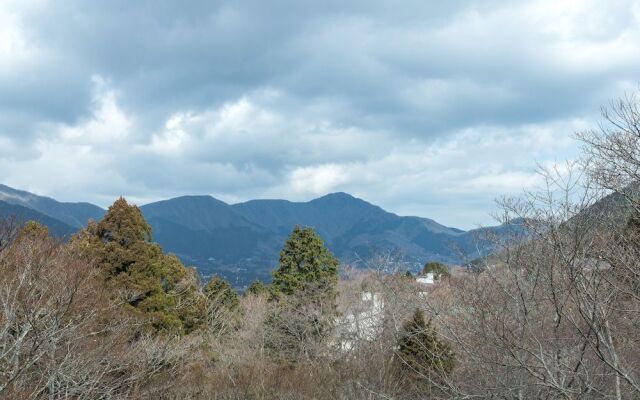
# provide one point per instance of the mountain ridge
(74, 214)
(23, 214)
(242, 241)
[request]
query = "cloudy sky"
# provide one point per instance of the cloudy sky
(427, 108)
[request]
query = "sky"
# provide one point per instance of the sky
(425, 108)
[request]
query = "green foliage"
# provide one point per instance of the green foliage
(437, 269)
(422, 351)
(155, 286)
(124, 225)
(305, 287)
(305, 263)
(220, 292)
(257, 288)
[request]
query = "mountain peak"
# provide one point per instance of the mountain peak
(337, 196)
(201, 212)
(197, 198)
(344, 201)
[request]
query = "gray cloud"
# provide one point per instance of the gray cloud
(428, 108)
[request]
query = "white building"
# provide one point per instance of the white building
(363, 320)
(425, 279)
(364, 323)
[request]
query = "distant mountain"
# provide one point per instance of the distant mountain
(241, 242)
(332, 215)
(355, 229)
(611, 212)
(204, 227)
(73, 214)
(23, 214)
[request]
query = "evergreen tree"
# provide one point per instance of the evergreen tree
(305, 287)
(422, 351)
(257, 288)
(124, 225)
(220, 292)
(437, 269)
(154, 285)
(305, 263)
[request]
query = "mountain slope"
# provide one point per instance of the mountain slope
(197, 212)
(241, 242)
(73, 214)
(331, 215)
(354, 229)
(206, 230)
(23, 214)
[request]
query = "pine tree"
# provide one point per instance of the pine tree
(422, 351)
(124, 225)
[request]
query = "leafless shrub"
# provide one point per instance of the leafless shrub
(55, 329)
(548, 317)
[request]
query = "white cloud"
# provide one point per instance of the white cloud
(7, 146)
(14, 48)
(319, 179)
(69, 158)
(171, 141)
(107, 123)
(424, 109)
(235, 145)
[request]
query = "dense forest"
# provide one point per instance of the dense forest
(553, 313)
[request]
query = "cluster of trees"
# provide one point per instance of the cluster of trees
(87, 318)
(108, 315)
(438, 270)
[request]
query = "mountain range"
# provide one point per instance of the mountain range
(240, 242)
